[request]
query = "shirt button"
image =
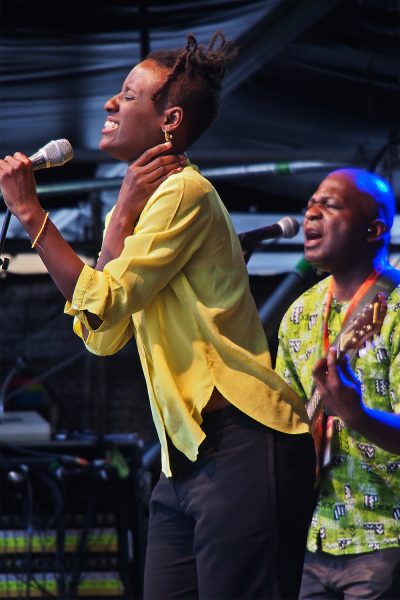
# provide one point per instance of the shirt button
(75, 306)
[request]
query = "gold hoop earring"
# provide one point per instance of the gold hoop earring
(168, 136)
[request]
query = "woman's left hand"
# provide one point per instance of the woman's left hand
(145, 175)
(141, 180)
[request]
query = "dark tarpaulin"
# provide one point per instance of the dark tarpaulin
(313, 81)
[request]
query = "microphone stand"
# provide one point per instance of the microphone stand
(249, 247)
(4, 262)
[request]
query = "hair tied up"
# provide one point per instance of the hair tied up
(194, 80)
(191, 45)
(217, 35)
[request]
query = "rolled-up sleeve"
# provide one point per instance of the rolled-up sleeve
(107, 342)
(172, 226)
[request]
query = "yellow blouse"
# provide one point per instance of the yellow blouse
(181, 287)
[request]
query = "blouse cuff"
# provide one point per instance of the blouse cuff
(78, 305)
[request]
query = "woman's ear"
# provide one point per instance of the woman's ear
(376, 230)
(173, 117)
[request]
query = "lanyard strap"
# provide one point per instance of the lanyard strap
(355, 301)
(382, 280)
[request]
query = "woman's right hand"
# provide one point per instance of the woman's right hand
(18, 186)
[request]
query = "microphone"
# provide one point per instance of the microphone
(54, 154)
(286, 227)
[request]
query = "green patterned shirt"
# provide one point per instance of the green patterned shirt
(359, 503)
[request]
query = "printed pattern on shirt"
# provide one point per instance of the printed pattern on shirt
(359, 506)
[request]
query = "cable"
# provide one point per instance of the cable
(47, 373)
(76, 569)
(393, 139)
(39, 586)
(46, 457)
(29, 531)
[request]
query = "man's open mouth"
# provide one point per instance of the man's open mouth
(312, 234)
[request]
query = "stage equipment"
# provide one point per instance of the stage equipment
(73, 518)
(287, 227)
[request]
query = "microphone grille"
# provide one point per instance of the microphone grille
(58, 152)
(290, 227)
(54, 154)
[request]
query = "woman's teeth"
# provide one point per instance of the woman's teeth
(110, 125)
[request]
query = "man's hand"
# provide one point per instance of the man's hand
(338, 387)
(341, 392)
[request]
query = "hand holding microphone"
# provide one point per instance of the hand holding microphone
(17, 182)
(18, 185)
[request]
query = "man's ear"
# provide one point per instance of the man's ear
(376, 230)
(173, 117)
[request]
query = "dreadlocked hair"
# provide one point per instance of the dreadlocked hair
(195, 80)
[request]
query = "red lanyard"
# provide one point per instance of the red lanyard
(364, 287)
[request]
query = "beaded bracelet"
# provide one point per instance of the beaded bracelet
(35, 241)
